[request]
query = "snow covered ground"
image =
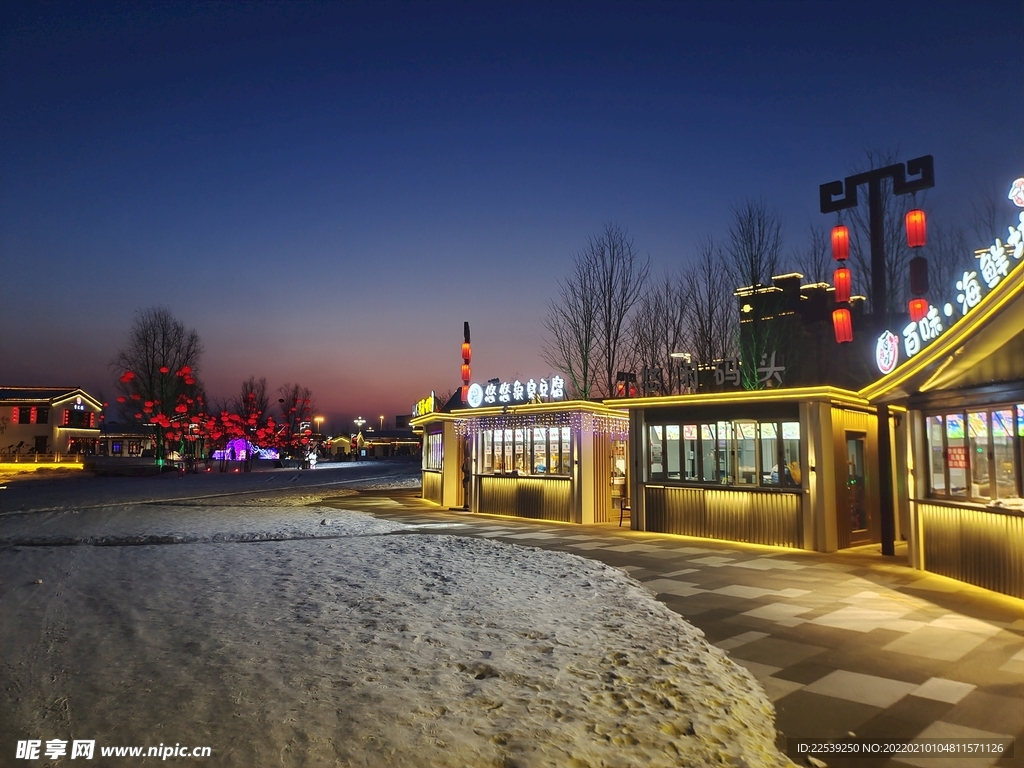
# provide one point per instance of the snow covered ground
(290, 635)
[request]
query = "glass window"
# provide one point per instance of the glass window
(566, 450)
(956, 454)
(709, 459)
(746, 452)
(554, 453)
(791, 475)
(977, 433)
(769, 453)
(656, 448)
(540, 450)
(507, 464)
(726, 453)
(520, 450)
(672, 451)
(499, 450)
(1002, 453)
(691, 447)
(936, 455)
(432, 456)
(42, 415)
(488, 452)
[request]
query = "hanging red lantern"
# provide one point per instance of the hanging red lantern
(467, 355)
(841, 280)
(842, 324)
(121, 398)
(916, 228)
(189, 380)
(840, 242)
(465, 392)
(465, 373)
(919, 275)
(136, 396)
(918, 309)
(164, 369)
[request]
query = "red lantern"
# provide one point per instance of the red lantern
(840, 243)
(164, 369)
(842, 324)
(467, 355)
(841, 280)
(465, 393)
(918, 309)
(465, 373)
(121, 398)
(916, 228)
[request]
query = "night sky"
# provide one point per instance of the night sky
(326, 192)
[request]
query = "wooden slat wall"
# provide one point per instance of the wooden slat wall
(972, 545)
(602, 477)
(758, 518)
(532, 497)
(856, 421)
(432, 486)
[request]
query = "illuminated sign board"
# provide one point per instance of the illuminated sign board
(994, 265)
(497, 392)
(424, 406)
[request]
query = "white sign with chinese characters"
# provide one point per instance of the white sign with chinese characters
(497, 392)
(994, 265)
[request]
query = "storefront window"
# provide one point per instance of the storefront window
(520, 450)
(769, 453)
(1002, 453)
(742, 453)
(506, 463)
(977, 433)
(672, 451)
(540, 451)
(488, 453)
(956, 455)
(656, 447)
(434, 453)
(554, 456)
(746, 453)
(691, 447)
(709, 461)
(936, 454)
(792, 475)
(980, 454)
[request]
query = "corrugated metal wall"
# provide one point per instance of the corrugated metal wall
(432, 486)
(758, 518)
(972, 545)
(533, 497)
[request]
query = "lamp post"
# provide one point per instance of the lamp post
(924, 169)
(318, 420)
(381, 423)
(359, 421)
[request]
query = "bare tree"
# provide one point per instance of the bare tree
(158, 369)
(572, 329)
(297, 408)
(657, 329)
(709, 316)
(253, 401)
(814, 259)
(949, 256)
(587, 324)
(753, 256)
(897, 252)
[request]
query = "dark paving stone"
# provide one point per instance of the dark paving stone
(805, 672)
(986, 712)
(904, 719)
(776, 652)
(813, 716)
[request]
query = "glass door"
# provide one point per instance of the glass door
(856, 493)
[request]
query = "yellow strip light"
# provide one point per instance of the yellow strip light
(833, 394)
(1008, 290)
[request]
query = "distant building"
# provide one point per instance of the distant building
(48, 420)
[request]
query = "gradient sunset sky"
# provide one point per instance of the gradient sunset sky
(325, 192)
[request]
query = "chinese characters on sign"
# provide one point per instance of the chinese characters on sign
(497, 392)
(994, 265)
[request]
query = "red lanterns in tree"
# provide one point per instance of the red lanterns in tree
(842, 324)
(916, 228)
(841, 280)
(164, 369)
(918, 309)
(840, 243)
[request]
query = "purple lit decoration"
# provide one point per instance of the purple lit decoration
(238, 448)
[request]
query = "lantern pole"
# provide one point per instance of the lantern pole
(924, 169)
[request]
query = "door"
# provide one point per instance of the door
(858, 518)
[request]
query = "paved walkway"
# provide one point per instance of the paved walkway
(849, 643)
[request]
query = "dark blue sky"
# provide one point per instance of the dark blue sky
(326, 192)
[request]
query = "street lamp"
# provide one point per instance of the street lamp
(359, 421)
(381, 423)
(318, 420)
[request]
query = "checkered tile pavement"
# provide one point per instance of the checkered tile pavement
(844, 644)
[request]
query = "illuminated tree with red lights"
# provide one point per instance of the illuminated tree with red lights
(294, 432)
(158, 378)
